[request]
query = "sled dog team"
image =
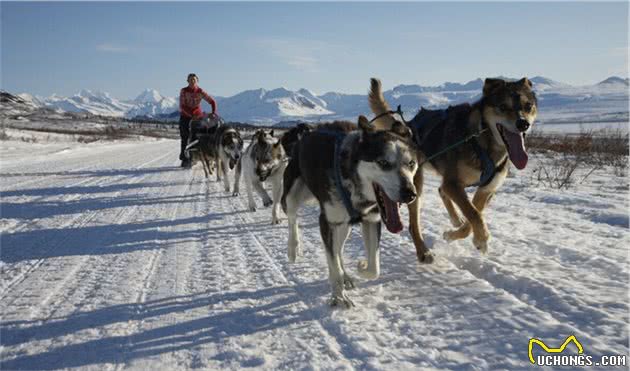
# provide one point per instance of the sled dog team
(360, 173)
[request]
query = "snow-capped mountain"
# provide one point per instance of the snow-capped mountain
(148, 96)
(615, 80)
(17, 104)
(557, 102)
(150, 103)
(30, 99)
(98, 103)
(268, 106)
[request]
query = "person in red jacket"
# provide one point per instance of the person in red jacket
(190, 109)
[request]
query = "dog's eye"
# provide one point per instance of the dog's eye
(503, 107)
(382, 163)
(412, 164)
(528, 107)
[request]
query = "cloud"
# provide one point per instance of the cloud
(304, 63)
(111, 48)
(301, 54)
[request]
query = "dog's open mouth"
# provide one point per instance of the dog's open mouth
(390, 211)
(515, 143)
(232, 163)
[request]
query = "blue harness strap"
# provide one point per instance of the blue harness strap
(488, 169)
(355, 216)
(422, 125)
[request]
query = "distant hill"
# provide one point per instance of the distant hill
(267, 107)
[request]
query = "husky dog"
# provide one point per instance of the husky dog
(288, 141)
(357, 176)
(204, 153)
(264, 158)
(501, 119)
(228, 147)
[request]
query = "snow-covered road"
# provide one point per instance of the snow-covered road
(112, 257)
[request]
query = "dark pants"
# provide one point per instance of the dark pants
(184, 132)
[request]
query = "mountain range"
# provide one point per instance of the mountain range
(557, 102)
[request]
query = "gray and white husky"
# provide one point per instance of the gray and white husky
(228, 146)
(375, 168)
(264, 159)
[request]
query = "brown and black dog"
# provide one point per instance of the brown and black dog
(501, 118)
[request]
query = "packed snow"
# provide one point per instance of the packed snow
(115, 258)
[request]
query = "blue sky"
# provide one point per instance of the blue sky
(123, 48)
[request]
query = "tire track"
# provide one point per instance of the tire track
(137, 321)
(82, 221)
(95, 161)
(94, 261)
(342, 346)
(95, 281)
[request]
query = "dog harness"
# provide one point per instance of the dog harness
(421, 127)
(355, 216)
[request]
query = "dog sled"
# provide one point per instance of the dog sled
(198, 129)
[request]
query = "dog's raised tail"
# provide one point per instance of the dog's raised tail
(379, 105)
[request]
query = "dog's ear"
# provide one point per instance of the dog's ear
(491, 85)
(278, 149)
(525, 82)
(401, 129)
(364, 124)
(271, 133)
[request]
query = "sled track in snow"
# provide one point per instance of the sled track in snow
(134, 268)
(144, 287)
(79, 222)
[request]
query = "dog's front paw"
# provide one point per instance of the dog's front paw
(348, 282)
(252, 208)
(234, 194)
(364, 270)
(293, 253)
(341, 300)
(267, 203)
(227, 189)
(481, 245)
(426, 257)
(275, 221)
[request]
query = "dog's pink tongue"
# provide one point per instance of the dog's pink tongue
(516, 149)
(392, 221)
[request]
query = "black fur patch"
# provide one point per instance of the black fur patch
(291, 137)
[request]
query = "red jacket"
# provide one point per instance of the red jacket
(190, 102)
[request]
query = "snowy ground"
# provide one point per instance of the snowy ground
(115, 258)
